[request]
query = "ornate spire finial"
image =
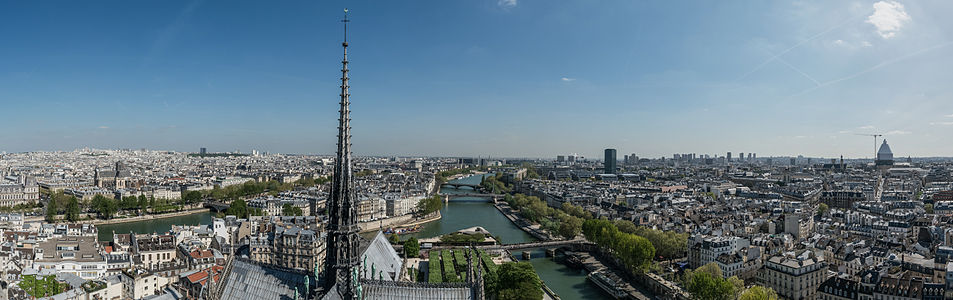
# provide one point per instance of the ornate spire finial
(342, 261)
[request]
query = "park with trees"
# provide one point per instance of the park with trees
(507, 281)
(60, 206)
(708, 283)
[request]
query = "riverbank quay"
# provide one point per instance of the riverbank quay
(398, 221)
(637, 286)
(523, 224)
(144, 217)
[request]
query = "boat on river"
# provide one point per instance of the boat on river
(609, 283)
(399, 231)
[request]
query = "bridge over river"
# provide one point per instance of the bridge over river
(216, 206)
(482, 197)
(458, 185)
(540, 244)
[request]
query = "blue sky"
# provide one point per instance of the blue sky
(516, 78)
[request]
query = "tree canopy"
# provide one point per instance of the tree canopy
(705, 286)
(430, 204)
(518, 281)
(411, 247)
(106, 207)
(822, 209)
(290, 210)
(758, 293)
(634, 251)
(708, 283)
(72, 210)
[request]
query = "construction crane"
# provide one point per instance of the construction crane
(875, 142)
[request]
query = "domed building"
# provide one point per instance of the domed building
(884, 155)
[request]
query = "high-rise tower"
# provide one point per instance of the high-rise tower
(610, 161)
(342, 244)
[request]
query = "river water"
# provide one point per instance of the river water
(568, 283)
(158, 225)
(467, 212)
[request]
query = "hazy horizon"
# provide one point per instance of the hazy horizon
(515, 78)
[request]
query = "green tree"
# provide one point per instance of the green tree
(393, 238)
(72, 209)
(668, 244)
(411, 247)
(570, 227)
(710, 268)
(192, 196)
(106, 207)
(738, 286)
(634, 251)
(928, 208)
(430, 204)
(822, 209)
(625, 226)
(51, 210)
(217, 193)
(238, 208)
(290, 210)
(143, 203)
(491, 283)
(518, 280)
(758, 293)
(577, 211)
(255, 212)
(705, 286)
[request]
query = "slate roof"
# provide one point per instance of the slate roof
(251, 281)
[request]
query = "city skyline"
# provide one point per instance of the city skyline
(497, 78)
(476, 173)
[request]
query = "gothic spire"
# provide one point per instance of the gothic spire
(342, 256)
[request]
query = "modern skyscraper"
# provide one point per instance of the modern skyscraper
(342, 248)
(610, 161)
(728, 156)
(203, 151)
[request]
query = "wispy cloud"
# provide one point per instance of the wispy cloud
(567, 79)
(877, 66)
(776, 56)
(888, 17)
(168, 34)
(898, 132)
(941, 123)
(799, 71)
(506, 3)
(866, 127)
(949, 116)
(103, 127)
(851, 45)
(844, 131)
